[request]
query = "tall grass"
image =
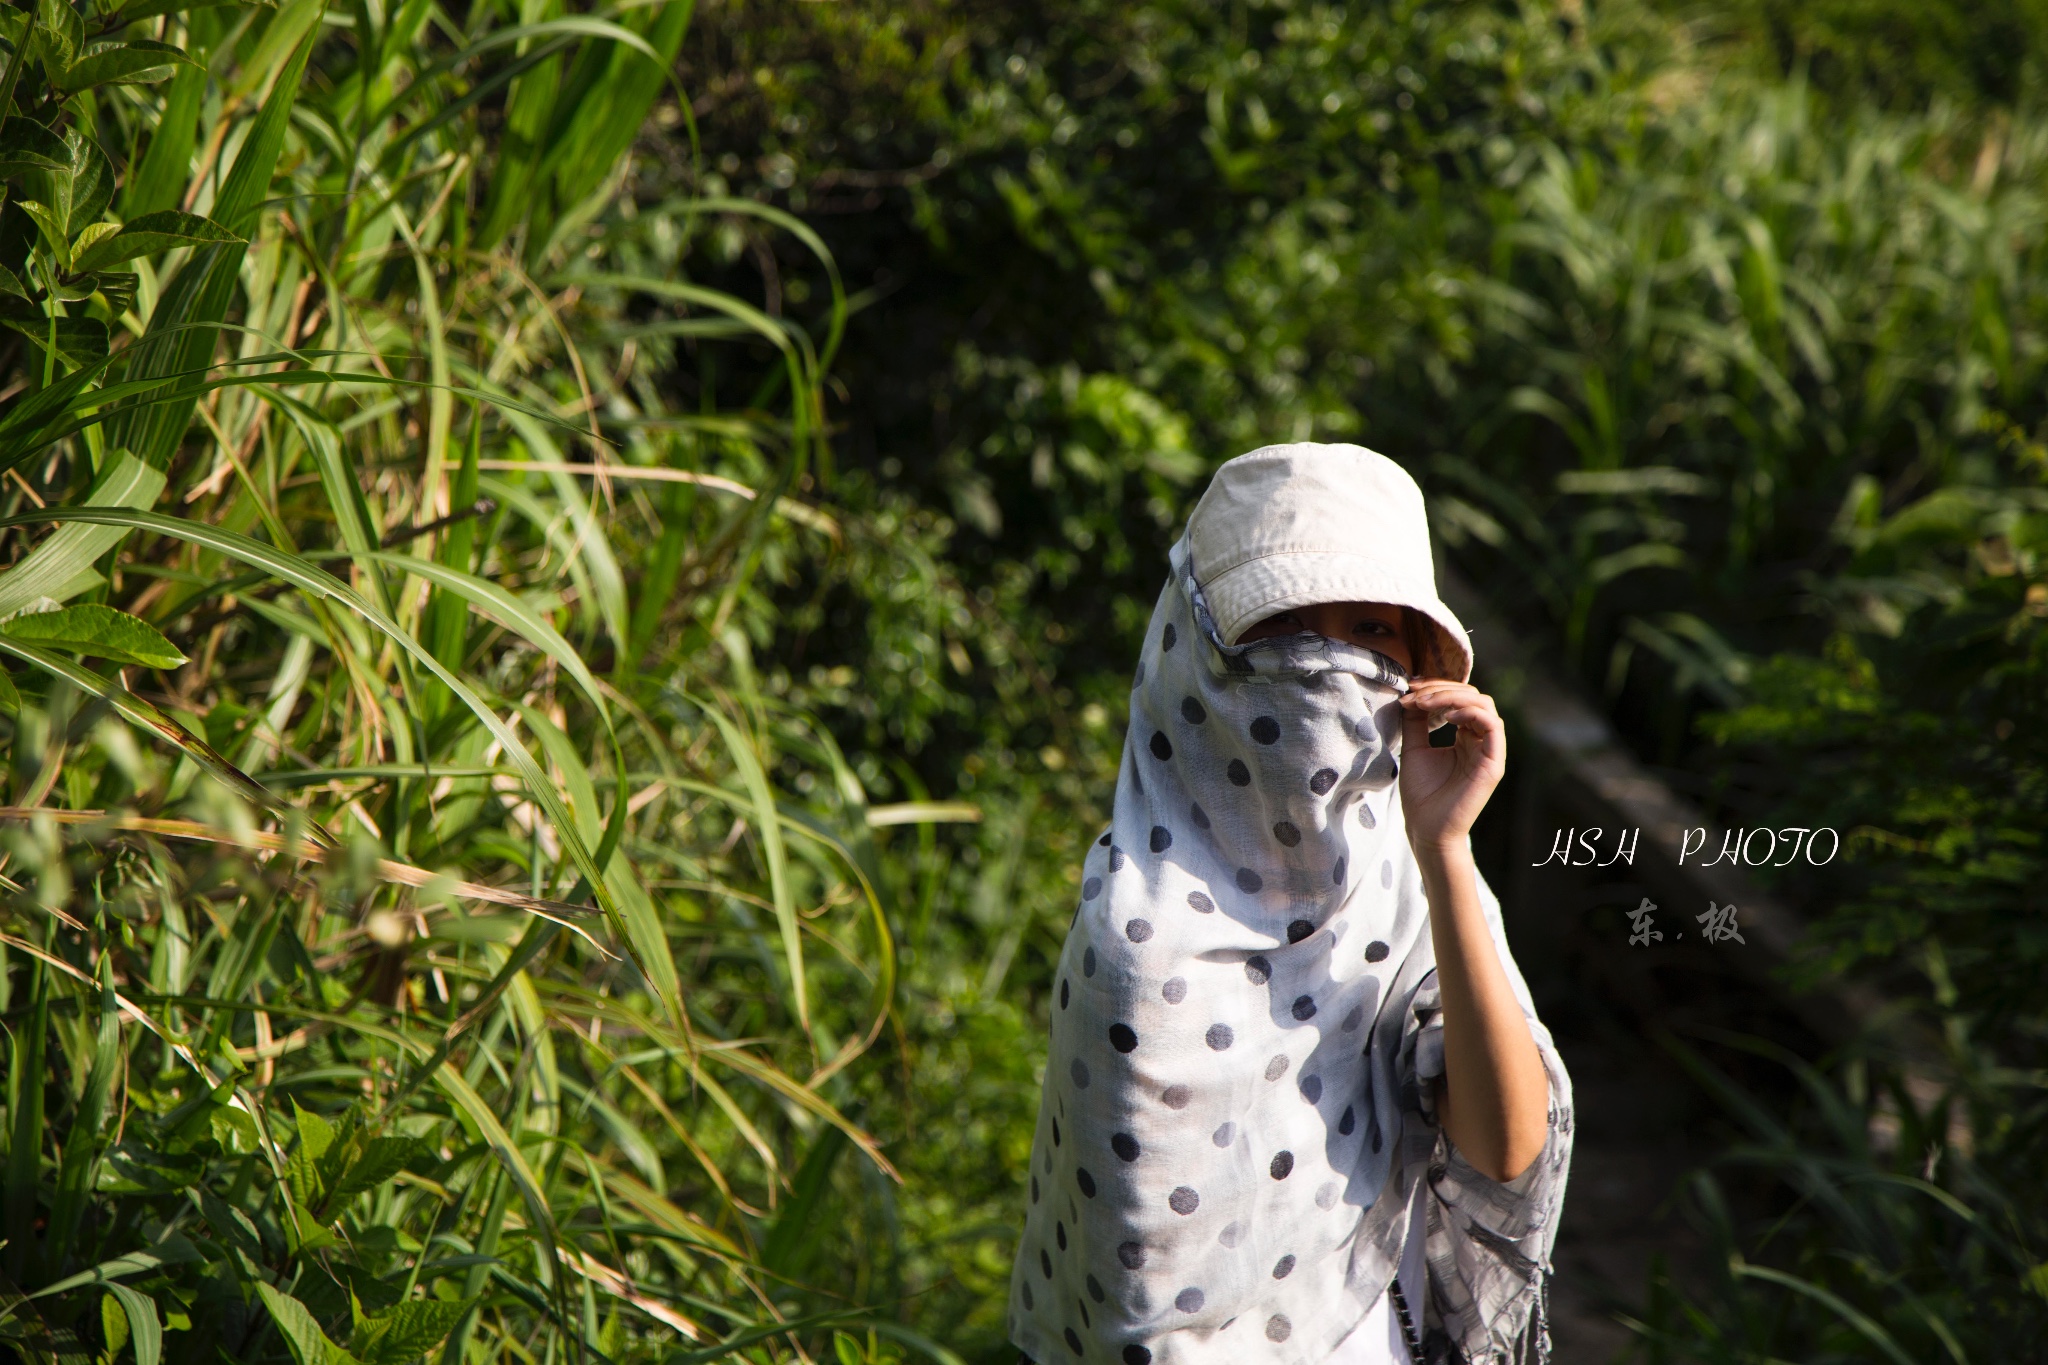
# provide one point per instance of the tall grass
(410, 948)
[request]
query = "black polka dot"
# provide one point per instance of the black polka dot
(1282, 1167)
(1287, 833)
(1131, 1254)
(1299, 930)
(1125, 1146)
(1224, 1135)
(1088, 962)
(1376, 951)
(1277, 1067)
(1162, 747)
(1354, 1019)
(1055, 1132)
(1266, 730)
(1034, 1189)
(1238, 773)
(1176, 1096)
(1219, 1037)
(1162, 838)
(1249, 881)
(1192, 712)
(1116, 859)
(1348, 1122)
(1278, 1328)
(1095, 1289)
(1104, 840)
(1304, 1007)
(1121, 1038)
(1183, 1201)
(1175, 990)
(1138, 930)
(1283, 1267)
(1167, 637)
(1199, 816)
(1063, 992)
(1200, 903)
(1085, 1181)
(1045, 1263)
(1026, 1287)
(1080, 1073)
(1059, 1230)
(1258, 971)
(1337, 873)
(1091, 888)
(1312, 1089)
(1324, 779)
(1073, 1341)
(1189, 1300)
(1365, 816)
(1137, 1355)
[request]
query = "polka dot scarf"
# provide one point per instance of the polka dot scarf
(1236, 1121)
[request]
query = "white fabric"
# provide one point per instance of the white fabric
(1237, 1105)
(1289, 526)
(1378, 1340)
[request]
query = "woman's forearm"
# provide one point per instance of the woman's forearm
(1496, 1094)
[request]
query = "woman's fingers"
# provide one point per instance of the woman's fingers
(1441, 702)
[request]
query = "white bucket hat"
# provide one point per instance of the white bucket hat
(1293, 525)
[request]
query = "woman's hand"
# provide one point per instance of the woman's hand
(1443, 790)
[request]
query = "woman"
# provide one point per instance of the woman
(1298, 1107)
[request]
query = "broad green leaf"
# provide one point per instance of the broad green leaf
(405, 1331)
(114, 1324)
(303, 1171)
(148, 235)
(60, 32)
(309, 1345)
(141, 62)
(26, 145)
(10, 283)
(99, 631)
(10, 699)
(55, 566)
(85, 196)
(380, 1159)
(79, 341)
(146, 1330)
(52, 223)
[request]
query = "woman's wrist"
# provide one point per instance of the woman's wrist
(1439, 854)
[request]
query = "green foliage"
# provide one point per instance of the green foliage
(421, 934)
(1701, 367)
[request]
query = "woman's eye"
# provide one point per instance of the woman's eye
(1373, 628)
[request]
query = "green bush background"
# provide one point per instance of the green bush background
(673, 861)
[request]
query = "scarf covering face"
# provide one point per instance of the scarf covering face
(1237, 1119)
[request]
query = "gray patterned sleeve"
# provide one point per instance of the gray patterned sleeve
(1489, 1242)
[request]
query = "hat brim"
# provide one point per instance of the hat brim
(1245, 594)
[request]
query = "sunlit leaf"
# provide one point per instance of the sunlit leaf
(148, 235)
(101, 632)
